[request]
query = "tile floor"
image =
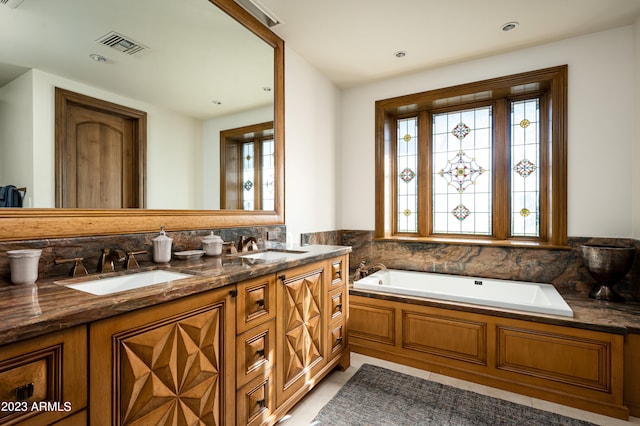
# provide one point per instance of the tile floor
(306, 410)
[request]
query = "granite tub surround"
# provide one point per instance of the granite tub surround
(561, 267)
(90, 248)
(46, 306)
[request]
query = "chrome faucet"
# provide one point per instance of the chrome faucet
(107, 257)
(247, 244)
(363, 270)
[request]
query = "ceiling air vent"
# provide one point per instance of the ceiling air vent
(121, 43)
(12, 3)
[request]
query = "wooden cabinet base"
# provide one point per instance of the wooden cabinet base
(569, 366)
(145, 364)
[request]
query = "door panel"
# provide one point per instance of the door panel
(100, 146)
(100, 153)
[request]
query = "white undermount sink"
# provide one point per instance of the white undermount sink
(102, 286)
(271, 255)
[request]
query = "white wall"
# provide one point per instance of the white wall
(174, 173)
(16, 134)
(312, 163)
(600, 118)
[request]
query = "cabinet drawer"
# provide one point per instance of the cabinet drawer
(256, 302)
(337, 305)
(255, 352)
(48, 369)
(256, 401)
(29, 378)
(337, 339)
(339, 271)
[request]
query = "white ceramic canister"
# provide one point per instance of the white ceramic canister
(162, 247)
(24, 265)
(212, 245)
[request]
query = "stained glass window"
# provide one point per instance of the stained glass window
(407, 179)
(268, 175)
(462, 171)
(475, 162)
(525, 175)
(248, 161)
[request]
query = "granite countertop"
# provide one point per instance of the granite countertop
(589, 314)
(46, 306)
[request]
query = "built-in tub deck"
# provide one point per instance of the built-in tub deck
(586, 361)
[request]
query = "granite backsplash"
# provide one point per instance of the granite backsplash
(90, 248)
(561, 267)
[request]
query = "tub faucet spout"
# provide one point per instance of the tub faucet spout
(363, 270)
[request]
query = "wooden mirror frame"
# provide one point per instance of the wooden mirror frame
(36, 223)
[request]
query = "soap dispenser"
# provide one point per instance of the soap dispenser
(162, 247)
(212, 245)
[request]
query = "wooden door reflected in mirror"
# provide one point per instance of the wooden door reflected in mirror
(100, 153)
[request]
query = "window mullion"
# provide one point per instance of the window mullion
(501, 183)
(257, 176)
(425, 198)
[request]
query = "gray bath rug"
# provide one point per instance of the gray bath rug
(375, 396)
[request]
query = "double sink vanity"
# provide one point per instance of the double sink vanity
(236, 339)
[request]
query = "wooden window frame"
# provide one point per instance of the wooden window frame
(256, 134)
(550, 85)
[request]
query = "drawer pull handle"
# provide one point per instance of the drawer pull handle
(338, 306)
(260, 302)
(260, 352)
(282, 277)
(339, 273)
(24, 392)
(260, 403)
(338, 340)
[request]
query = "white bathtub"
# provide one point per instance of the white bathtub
(521, 296)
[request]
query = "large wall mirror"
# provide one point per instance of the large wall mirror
(195, 67)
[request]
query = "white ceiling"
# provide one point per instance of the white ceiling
(196, 53)
(353, 41)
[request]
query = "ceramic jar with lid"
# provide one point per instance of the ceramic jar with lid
(162, 247)
(212, 245)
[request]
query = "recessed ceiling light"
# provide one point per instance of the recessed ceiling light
(509, 26)
(98, 58)
(400, 54)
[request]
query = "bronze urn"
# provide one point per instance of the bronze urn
(608, 264)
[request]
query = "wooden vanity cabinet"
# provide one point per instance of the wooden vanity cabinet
(167, 364)
(291, 332)
(337, 310)
(311, 338)
(44, 380)
(255, 350)
(243, 354)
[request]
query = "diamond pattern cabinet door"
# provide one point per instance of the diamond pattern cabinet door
(300, 327)
(171, 364)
